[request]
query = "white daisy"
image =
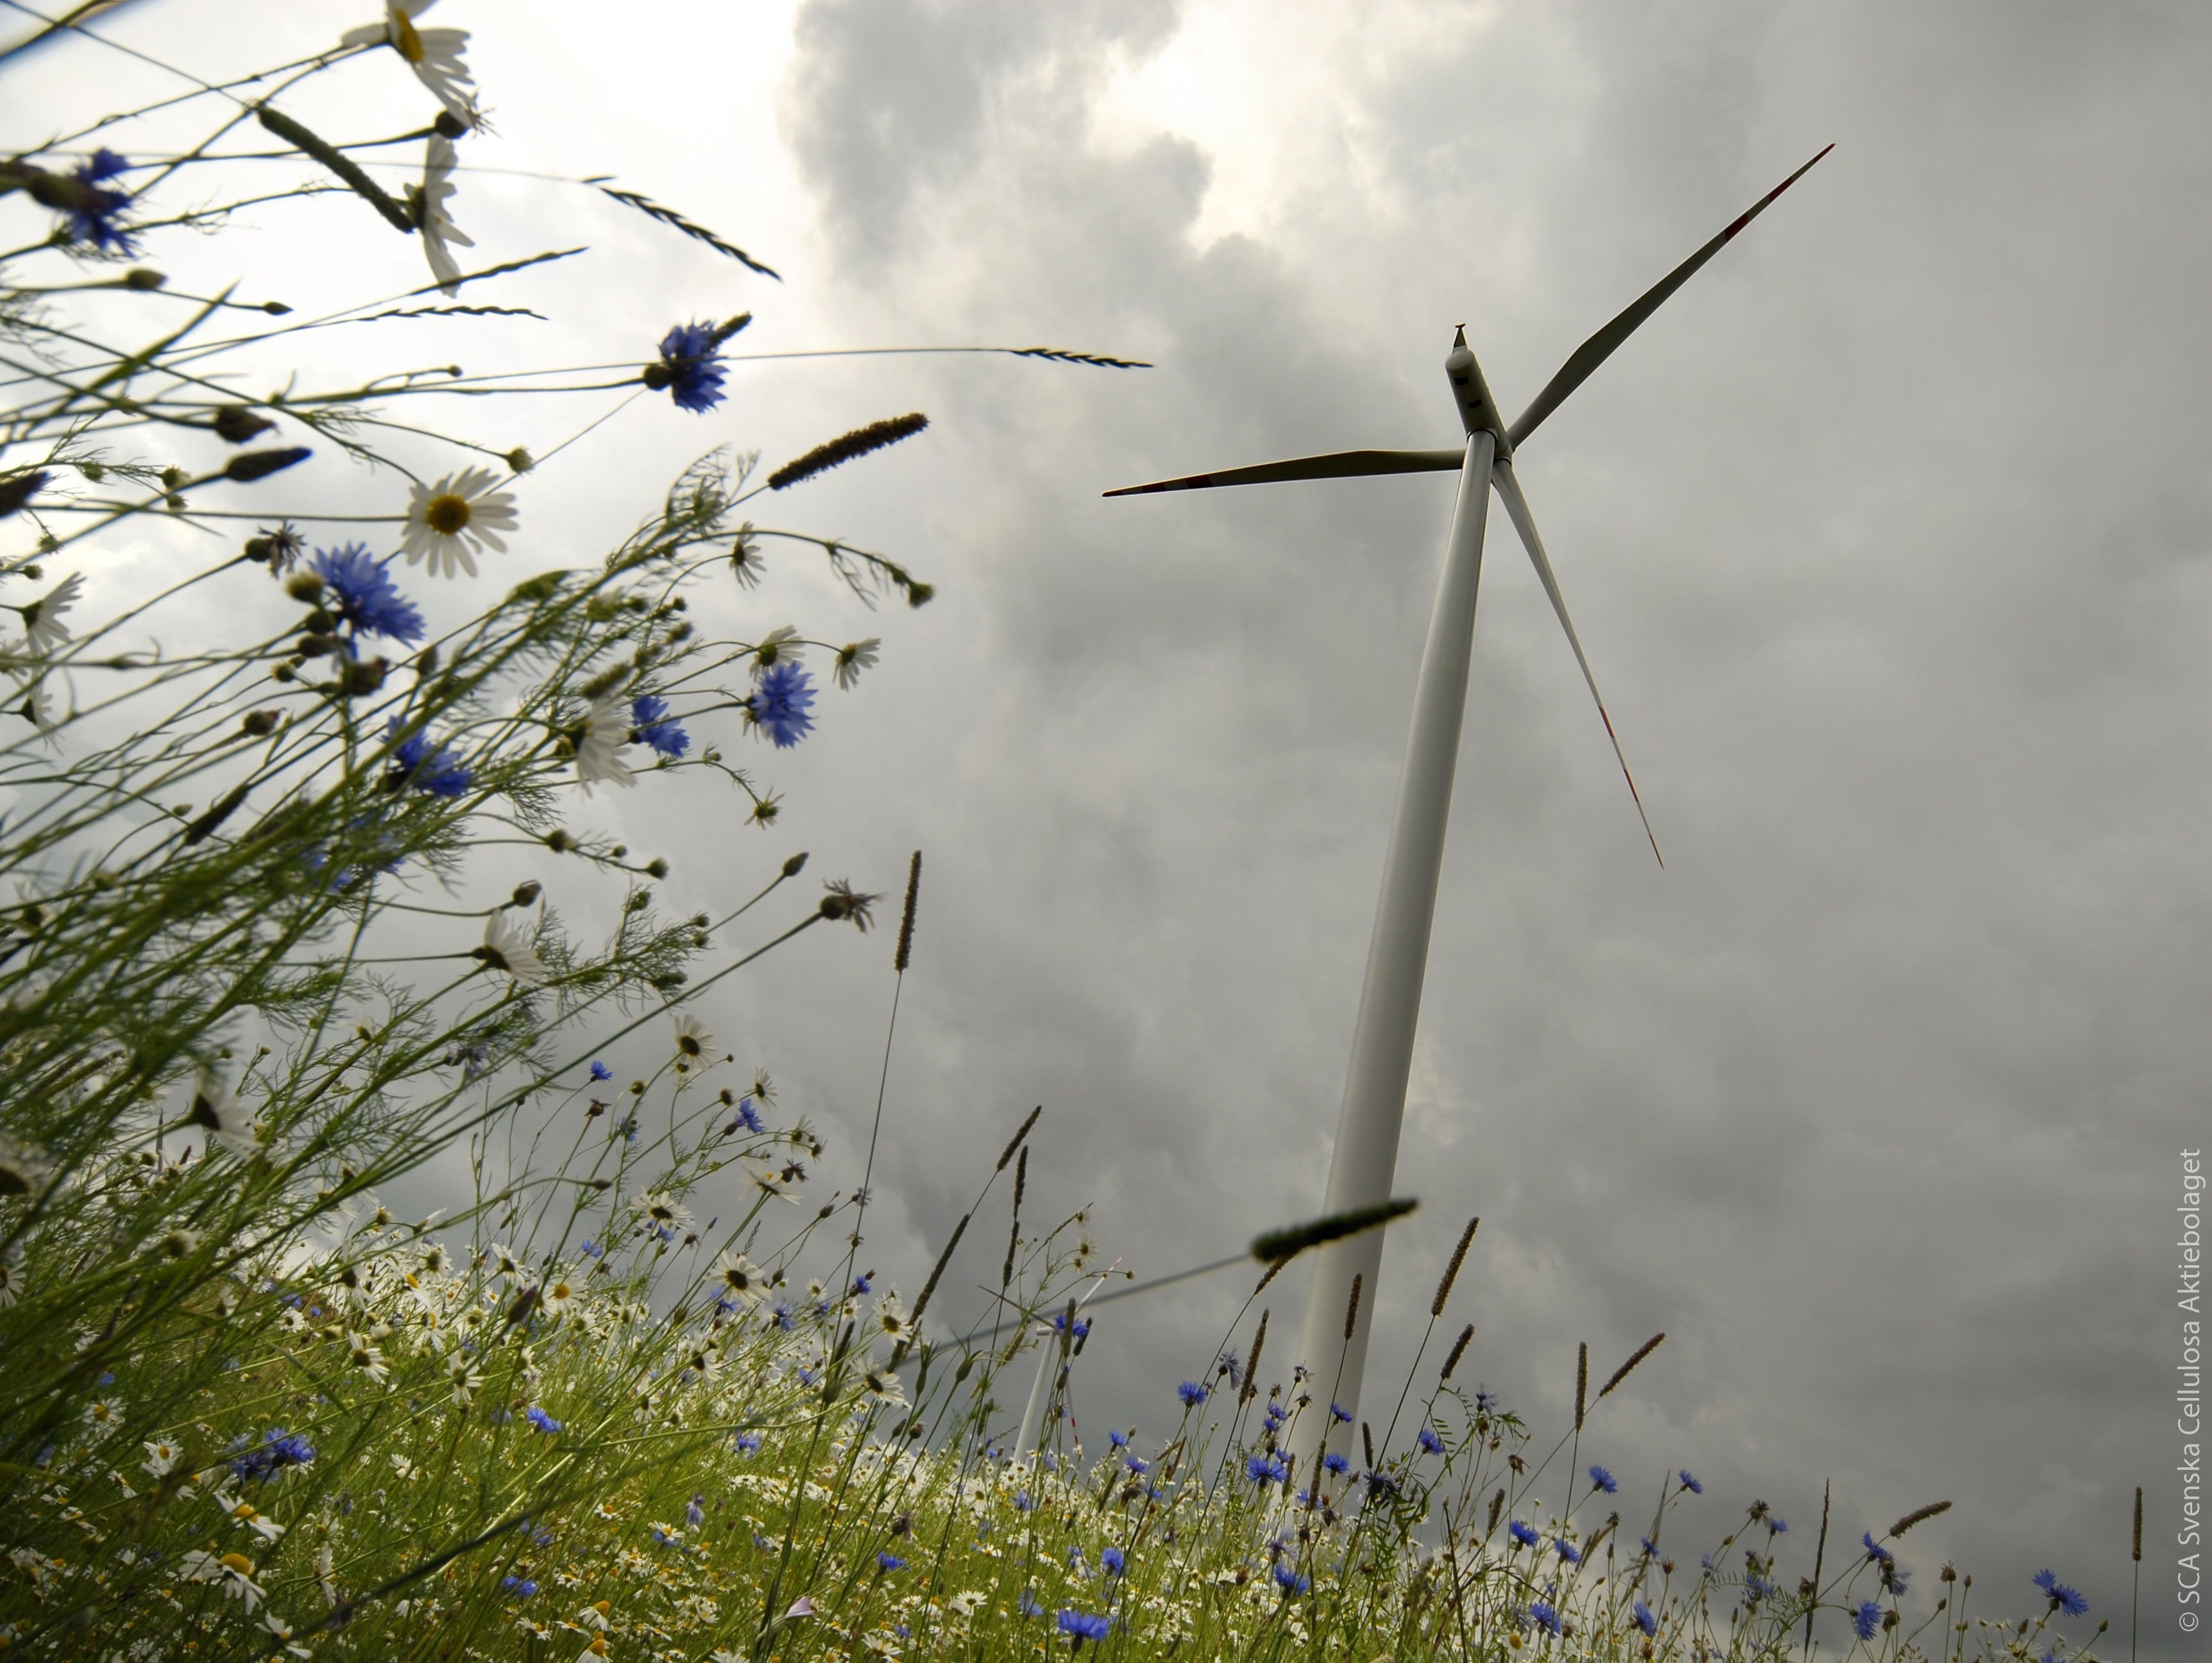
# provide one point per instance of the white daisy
(664, 1212)
(249, 1515)
(435, 218)
(434, 55)
(364, 1354)
(737, 1277)
(456, 520)
(890, 1315)
(161, 1458)
(854, 657)
(223, 1116)
(507, 947)
(43, 628)
(770, 1182)
(557, 1294)
(38, 709)
(693, 1042)
(745, 560)
(465, 1381)
(781, 646)
(233, 1570)
(606, 730)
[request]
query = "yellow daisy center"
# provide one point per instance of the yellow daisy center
(446, 515)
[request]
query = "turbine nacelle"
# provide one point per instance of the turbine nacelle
(1478, 410)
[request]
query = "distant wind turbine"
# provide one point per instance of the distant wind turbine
(1367, 1129)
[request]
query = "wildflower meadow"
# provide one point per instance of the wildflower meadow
(308, 714)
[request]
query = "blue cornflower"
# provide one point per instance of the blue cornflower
(1335, 1462)
(1484, 1401)
(1265, 1469)
(747, 1444)
(440, 773)
(1337, 1412)
(1430, 1442)
(1288, 1579)
(861, 1284)
(695, 1512)
(780, 703)
(1644, 1620)
(520, 1586)
(601, 1072)
(889, 1562)
(1756, 1587)
(1689, 1483)
(592, 1249)
(544, 1423)
(93, 219)
(781, 1316)
(656, 727)
(1117, 1440)
(1082, 1324)
(1875, 1549)
(1082, 1626)
(1544, 1616)
(1522, 1534)
(363, 594)
(1650, 1548)
(1110, 1561)
(1024, 1502)
(749, 1117)
(2062, 1597)
(277, 1450)
(1274, 1417)
(691, 368)
(1028, 1604)
(1191, 1394)
(1865, 1621)
(1601, 1479)
(1137, 1468)
(1567, 1552)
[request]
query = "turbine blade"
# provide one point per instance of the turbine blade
(1342, 465)
(1516, 505)
(1600, 347)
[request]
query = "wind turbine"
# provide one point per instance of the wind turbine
(1373, 1109)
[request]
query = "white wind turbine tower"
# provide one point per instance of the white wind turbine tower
(1373, 1108)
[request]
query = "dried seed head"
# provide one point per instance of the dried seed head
(905, 953)
(1015, 1143)
(1252, 1363)
(1582, 1382)
(1351, 1305)
(1458, 1350)
(1451, 1271)
(846, 448)
(1296, 1238)
(1917, 1515)
(1637, 1356)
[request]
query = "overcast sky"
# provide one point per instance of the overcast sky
(1887, 538)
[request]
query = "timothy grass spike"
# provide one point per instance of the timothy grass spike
(1634, 1357)
(1451, 1270)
